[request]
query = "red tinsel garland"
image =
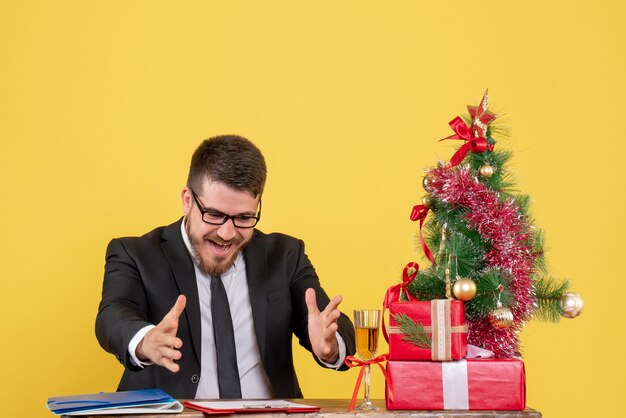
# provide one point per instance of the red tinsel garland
(500, 223)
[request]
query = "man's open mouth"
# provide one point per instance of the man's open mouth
(220, 249)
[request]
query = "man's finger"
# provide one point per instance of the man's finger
(170, 353)
(165, 340)
(169, 364)
(330, 331)
(178, 307)
(332, 317)
(333, 304)
(170, 320)
(311, 302)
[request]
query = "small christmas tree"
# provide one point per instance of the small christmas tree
(486, 249)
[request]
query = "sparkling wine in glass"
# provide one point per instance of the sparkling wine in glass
(366, 323)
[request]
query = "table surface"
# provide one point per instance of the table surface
(338, 408)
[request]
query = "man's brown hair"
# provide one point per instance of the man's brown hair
(229, 159)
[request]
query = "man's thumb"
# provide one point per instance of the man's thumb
(170, 321)
(311, 302)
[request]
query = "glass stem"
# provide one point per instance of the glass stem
(366, 387)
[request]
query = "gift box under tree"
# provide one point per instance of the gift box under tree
(427, 330)
(423, 330)
(477, 384)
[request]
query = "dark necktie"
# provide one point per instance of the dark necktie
(227, 372)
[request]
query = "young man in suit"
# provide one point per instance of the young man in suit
(206, 307)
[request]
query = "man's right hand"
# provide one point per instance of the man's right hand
(160, 345)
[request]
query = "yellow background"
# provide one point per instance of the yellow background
(103, 102)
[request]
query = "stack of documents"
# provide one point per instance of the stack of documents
(246, 405)
(153, 401)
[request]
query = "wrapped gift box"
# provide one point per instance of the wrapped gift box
(444, 322)
(477, 384)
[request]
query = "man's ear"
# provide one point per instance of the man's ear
(187, 200)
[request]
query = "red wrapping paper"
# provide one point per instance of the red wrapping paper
(490, 384)
(421, 311)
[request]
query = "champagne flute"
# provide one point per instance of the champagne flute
(366, 323)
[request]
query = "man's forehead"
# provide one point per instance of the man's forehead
(224, 198)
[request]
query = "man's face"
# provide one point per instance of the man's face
(217, 246)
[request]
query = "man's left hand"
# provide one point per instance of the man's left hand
(323, 327)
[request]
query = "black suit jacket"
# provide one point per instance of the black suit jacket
(144, 276)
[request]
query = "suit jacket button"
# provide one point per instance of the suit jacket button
(195, 378)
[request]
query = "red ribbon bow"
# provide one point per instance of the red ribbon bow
(394, 292)
(475, 144)
(419, 213)
(352, 361)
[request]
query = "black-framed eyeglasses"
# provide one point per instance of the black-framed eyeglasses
(214, 217)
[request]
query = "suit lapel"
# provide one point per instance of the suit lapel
(185, 275)
(257, 273)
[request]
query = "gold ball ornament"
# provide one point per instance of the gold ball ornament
(427, 183)
(571, 305)
(486, 171)
(427, 201)
(501, 317)
(464, 289)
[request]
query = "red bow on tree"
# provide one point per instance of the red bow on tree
(419, 213)
(395, 292)
(474, 135)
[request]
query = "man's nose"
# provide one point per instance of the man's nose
(227, 231)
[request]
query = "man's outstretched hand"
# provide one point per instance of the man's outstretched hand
(160, 345)
(323, 327)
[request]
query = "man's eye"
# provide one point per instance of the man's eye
(245, 220)
(214, 215)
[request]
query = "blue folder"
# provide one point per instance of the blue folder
(130, 402)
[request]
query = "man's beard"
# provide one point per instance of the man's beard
(212, 268)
